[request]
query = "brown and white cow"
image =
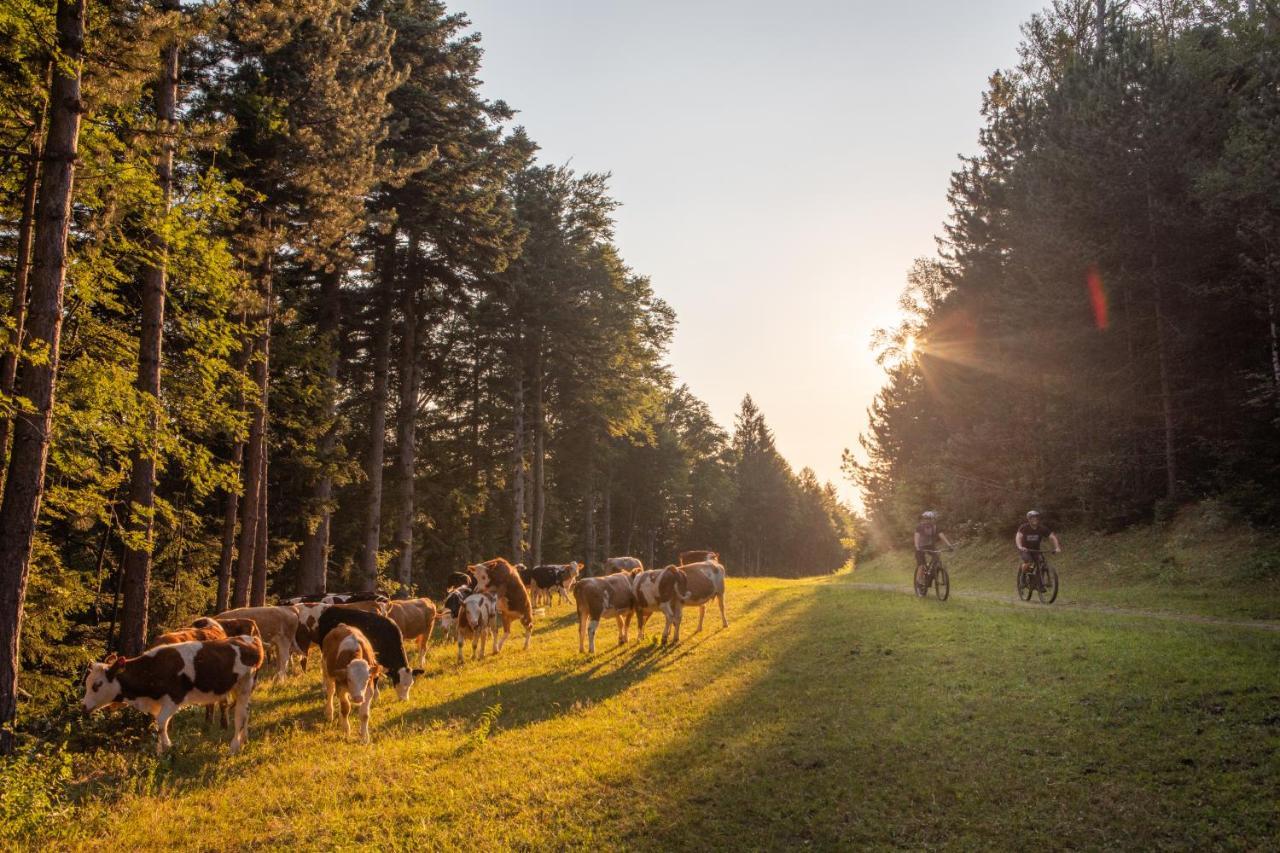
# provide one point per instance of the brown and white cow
(687, 557)
(164, 679)
(351, 671)
(416, 618)
(500, 578)
(308, 622)
(230, 628)
(278, 626)
(706, 582)
(187, 635)
(611, 595)
(613, 565)
(661, 590)
(477, 618)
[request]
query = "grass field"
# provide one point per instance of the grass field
(825, 715)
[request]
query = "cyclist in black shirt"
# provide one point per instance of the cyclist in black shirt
(1031, 535)
(927, 536)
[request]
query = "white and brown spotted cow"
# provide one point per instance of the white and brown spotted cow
(664, 591)
(498, 577)
(351, 671)
(613, 565)
(417, 619)
(477, 618)
(706, 582)
(278, 626)
(164, 679)
(687, 557)
(308, 623)
(597, 598)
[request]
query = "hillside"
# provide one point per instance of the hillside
(825, 714)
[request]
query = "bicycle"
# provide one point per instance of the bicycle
(932, 573)
(1040, 578)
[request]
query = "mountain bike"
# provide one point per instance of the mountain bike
(932, 573)
(1039, 578)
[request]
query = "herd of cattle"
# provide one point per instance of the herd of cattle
(362, 636)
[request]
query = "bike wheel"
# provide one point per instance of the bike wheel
(1023, 583)
(941, 584)
(921, 582)
(1048, 584)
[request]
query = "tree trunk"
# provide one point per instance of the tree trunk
(1100, 29)
(255, 457)
(1166, 392)
(407, 421)
(258, 598)
(517, 473)
(22, 270)
(142, 477)
(1275, 338)
(315, 543)
(24, 485)
(230, 507)
(539, 456)
(378, 417)
(606, 513)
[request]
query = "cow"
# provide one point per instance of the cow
(457, 579)
(164, 679)
(385, 637)
(416, 619)
(351, 670)
(308, 621)
(229, 628)
(687, 557)
(661, 590)
(187, 635)
(613, 565)
(611, 595)
(278, 627)
(477, 618)
(449, 612)
(525, 573)
(543, 580)
(706, 581)
(335, 598)
(501, 579)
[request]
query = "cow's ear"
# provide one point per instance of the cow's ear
(110, 659)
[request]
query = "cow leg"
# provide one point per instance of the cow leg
(163, 716)
(666, 627)
(243, 693)
(329, 689)
(641, 618)
(582, 632)
(591, 635)
(364, 720)
(677, 614)
(459, 647)
(422, 651)
(284, 649)
(702, 614)
(528, 632)
(344, 702)
(724, 619)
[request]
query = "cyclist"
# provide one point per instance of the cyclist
(1031, 535)
(927, 536)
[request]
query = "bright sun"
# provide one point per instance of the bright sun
(911, 346)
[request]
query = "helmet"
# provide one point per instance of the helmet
(1035, 513)
(929, 515)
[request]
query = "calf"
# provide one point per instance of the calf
(477, 618)
(661, 590)
(500, 578)
(452, 604)
(230, 628)
(278, 627)
(166, 678)
(416, 618)
(687, 557)
(350, 670)
(611, 595)
(383, 635)
(706, 581)
(543, 580)
(613, 565)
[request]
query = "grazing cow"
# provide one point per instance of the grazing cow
(706, 581)
(500, 578)
(613, 565)
(189, 635)
(477, 618)
(457, 579)
(335, 598)
(687, 557)
(231, 627)
(350, 670)
(166, 678)
(543, 580)
(278, 627)
(661, 590)
(449, 613)
(383, 634)
(416, 618)
(308, 623)
(611, 595)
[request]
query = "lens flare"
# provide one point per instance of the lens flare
(1097, 297)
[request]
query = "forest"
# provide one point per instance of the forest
(290, 306)
(1097, 335)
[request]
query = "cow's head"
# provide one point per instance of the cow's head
(361, 676)
(100, 685)
(402, 678)
(492, 574)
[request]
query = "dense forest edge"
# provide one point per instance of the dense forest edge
(292, 307)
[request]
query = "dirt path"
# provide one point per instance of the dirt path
(1189, 618)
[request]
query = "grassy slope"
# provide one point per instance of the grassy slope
(1191, 567)
(824, 714)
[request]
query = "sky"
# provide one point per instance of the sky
(779, 168)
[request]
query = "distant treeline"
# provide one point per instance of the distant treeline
(1098, 336)
(291, 305)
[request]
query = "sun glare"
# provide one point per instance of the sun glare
(910, 348)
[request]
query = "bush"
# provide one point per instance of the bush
(33, 790)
